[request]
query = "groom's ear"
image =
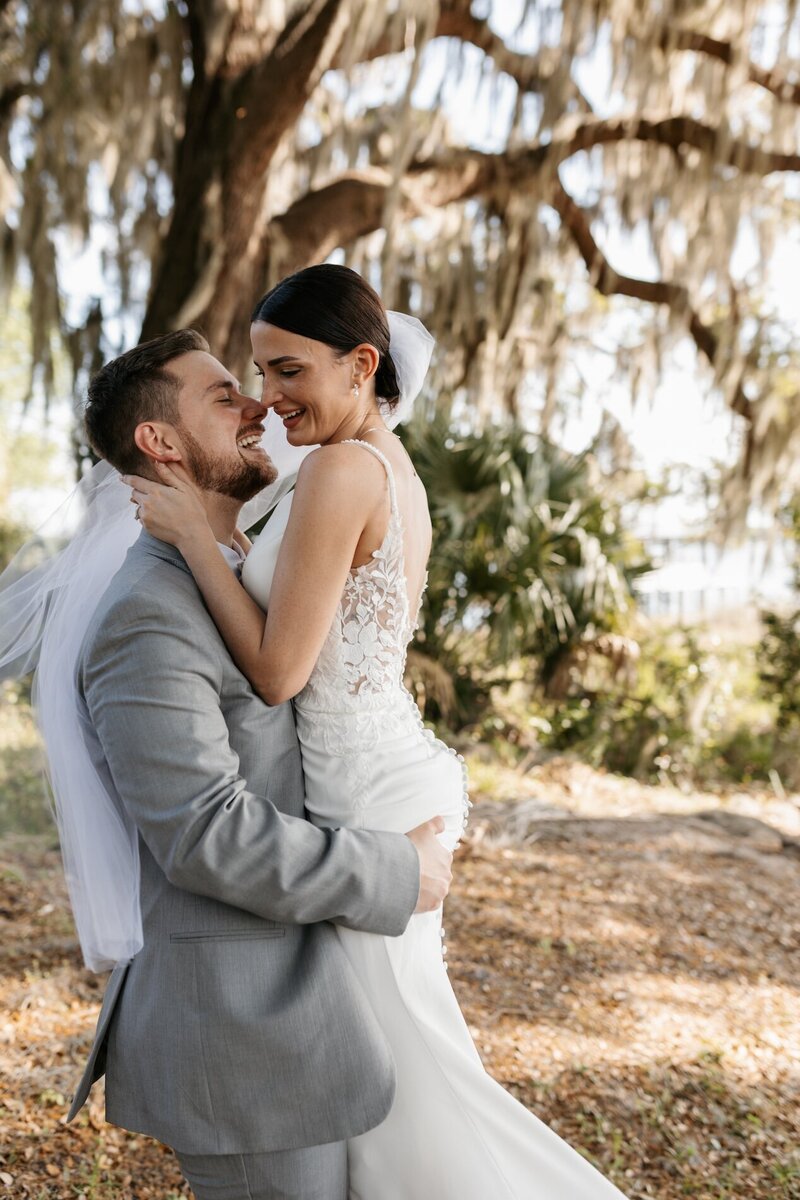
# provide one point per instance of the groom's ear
(158, 441)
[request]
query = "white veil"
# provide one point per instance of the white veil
(48, 595)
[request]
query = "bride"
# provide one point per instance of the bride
(340, 572)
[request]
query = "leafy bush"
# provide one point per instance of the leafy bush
(748, 754)
(694, 715)
(779, 666)
(641, 731)
(528, 557)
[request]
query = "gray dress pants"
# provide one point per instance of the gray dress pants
(312, 1173)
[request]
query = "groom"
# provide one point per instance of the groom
(238, 1034)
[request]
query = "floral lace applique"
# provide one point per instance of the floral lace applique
(364, 653)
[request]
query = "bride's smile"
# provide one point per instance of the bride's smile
(291, 419)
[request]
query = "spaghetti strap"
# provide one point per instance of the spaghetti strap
(387, 467)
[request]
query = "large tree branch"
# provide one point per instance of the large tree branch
(609, 282)
(459, 174)
(775, 81)
(535, 72)
(532, 73)
(353, 206)
(677, 132)
(335, 215)
(270, 96)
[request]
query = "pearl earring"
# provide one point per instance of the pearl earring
(356, 390)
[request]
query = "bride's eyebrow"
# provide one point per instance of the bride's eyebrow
(276, 362)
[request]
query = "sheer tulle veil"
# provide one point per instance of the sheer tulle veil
(48, 595)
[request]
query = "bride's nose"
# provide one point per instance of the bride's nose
(270, 393)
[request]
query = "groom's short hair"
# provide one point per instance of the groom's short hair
(133, 388)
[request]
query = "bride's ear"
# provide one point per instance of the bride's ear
(156, 440)
(366, 361)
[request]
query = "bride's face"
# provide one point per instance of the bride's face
(309, 386)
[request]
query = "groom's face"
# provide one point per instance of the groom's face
(218, 434)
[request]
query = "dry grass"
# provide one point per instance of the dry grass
(633, 979)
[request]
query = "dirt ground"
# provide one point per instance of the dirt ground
(629, 970)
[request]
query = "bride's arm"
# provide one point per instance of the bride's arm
(334, 496)
(242, 541)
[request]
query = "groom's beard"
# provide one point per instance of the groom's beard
(237, 478)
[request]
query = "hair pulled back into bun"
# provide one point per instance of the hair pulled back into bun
(334, 305)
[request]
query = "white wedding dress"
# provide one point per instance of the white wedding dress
(453, 1133)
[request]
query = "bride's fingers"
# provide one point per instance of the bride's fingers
(139, 483)
(169, 475)
(174, 473)
(136, 481)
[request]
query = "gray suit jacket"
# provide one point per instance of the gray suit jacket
(239, 1027)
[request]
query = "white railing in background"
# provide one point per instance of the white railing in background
(697, 577)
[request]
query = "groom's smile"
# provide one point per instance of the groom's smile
(250, 438)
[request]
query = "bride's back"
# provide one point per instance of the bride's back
(412, 506)
(361, 663)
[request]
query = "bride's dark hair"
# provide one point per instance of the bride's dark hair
(334, 305)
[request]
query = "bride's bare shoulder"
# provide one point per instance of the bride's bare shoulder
(344, 462)
(340, 472)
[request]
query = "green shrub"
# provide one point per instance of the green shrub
(695, 714)
(779, 666)
(529, 556)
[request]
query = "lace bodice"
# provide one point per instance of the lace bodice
(361, 664)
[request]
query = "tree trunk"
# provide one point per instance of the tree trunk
(210, 269)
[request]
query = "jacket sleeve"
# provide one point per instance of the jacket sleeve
(152, 691)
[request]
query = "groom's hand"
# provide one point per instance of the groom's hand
(435, 875)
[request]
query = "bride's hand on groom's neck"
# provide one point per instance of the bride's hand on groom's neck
(171, 510)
